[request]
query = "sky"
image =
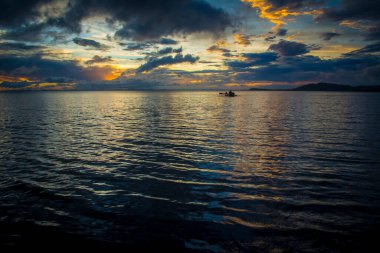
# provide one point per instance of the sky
(187, 44)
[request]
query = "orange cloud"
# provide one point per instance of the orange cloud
(188, 80)
(356, 24)
(293, 36)
(277, 16)
(218, 47)
(221, 43)
(36, 86)
(99, 73)
(242, 39)
(111, 76)
(4, 78)
(92, 73)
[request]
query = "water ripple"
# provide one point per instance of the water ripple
(191, 171)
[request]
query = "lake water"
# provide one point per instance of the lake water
(191, 171)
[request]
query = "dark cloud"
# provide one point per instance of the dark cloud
(353, 10)
(358, 69)
(228, 54)
(139, 20)
(281, 32)
(261, 58)
(329, 35)
(294, 4)
(148, 44)
(90, 43)
(373, 33)
(137, 46)
(17, 46)
(15, 85)
(18, 11)
(35, 85)
(167, 41)
(216, 48)
(270, 38)
(373, 48)
(364, 13)
(289, 48)
(169, 50)
(35, 67)
(254, 59)
(31, 32)
(153, 63)
(99, 59)
(239, 64)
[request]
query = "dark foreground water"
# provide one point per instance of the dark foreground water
(191, 171)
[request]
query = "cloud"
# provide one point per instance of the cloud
(267, 67)
(167, 41)
(278, 11)
(17, 46)
(372, 48)
(137, 46)
(38, 68)
(353, 69)
(90, 43)
(32, 85)
(15, 85)
(30, 32)
(17, 12)
(153, 63)
(242, 39)
(293, 5)
(169, 50)
(137, 19)
(261, 58)
(254, 59)
(270, 38)
(148, 44)
(176, 17)
(215, 48)
(362, 15)
(290, 48)
(281, 32)
(99, 59)
(329, 35)
(373, 33)
(218, 47)
(353, 10)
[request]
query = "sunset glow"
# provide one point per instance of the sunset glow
(230, 44)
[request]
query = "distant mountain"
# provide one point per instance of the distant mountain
(262, 89)
(324, 87)
(328, 87)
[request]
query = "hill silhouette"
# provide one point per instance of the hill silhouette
(327, 87)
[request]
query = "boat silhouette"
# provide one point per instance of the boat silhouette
(228, 94)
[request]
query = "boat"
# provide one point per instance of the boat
(228, 94)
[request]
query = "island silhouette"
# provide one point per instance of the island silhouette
(326, 87)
